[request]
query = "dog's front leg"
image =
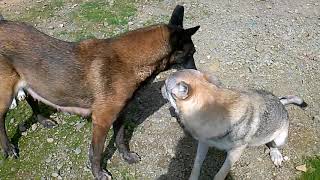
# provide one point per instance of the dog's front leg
(102, 120)
(232, 156)
(201, 155)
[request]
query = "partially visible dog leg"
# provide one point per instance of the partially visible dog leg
(232, 156)
(8, 79)
(275, 154)
(122, 146)
(201, 155)
(46, 122)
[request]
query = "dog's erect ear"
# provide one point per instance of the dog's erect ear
(177, 16)
(213, 79)
(192, 30)
(181, 90)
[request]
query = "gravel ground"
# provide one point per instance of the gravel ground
(272, 45)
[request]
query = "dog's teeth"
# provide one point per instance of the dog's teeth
(13, 104)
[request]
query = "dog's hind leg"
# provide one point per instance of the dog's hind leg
(123, 147)
(279, 141)
(46, 122)
(8, 80)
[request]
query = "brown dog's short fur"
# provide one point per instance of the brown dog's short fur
(93, 77)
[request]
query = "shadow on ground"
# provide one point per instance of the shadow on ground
(181, 164)
(145, 102)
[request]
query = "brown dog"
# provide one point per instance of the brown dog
(94, 77)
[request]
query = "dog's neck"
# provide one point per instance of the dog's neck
(148, 49)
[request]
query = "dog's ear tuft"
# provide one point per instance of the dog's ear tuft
(192, 31)
(177, 16)
(181, 90)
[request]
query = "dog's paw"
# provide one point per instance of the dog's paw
(276, 157)
(46, 122)
(131, 157)
(13, 104)
(103, 175)
(21, 95)
(11, 151)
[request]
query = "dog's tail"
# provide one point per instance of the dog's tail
(285, 100)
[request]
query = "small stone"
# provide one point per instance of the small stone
(73, 6)
(48, 160)
(259, 159)
(202, 61)
(208, 57)
(34, 127)
(173, 119)
(61, 25)
(55, 175)
(80, 125)
(59, 177)
(130, 23)
(24, 133)
(50, 140)
(77, 150)
(59, 166)
(50, 27)
(11, 120)
(302, 168)
(286, 158)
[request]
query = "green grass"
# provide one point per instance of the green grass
(102, 11)
(313, 169)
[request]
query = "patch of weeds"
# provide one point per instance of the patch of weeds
(116, 13)
(42, 10)
(313, 169)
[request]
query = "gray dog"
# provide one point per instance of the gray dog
(228, 119)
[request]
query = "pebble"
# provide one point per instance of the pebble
(302, 168)
(50, 140)
(80, 125)
(34, 127)
(11, 120)
(59, 166)
(61, 25)
(55, 175)
(286, 158)
(24, 133)
(77, 150)
(48, 160)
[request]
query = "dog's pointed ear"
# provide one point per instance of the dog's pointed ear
(213, 79)
(181, 90)
(192, 31)
(177, 16)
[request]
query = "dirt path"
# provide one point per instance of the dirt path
(255, 44)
